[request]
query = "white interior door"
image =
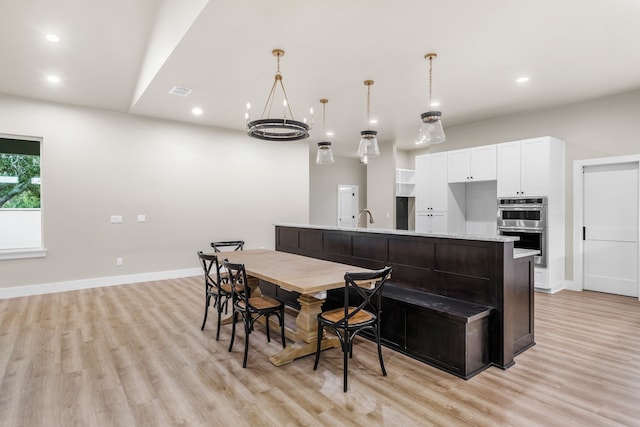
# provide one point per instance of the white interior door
(348, 205)
(611, 228)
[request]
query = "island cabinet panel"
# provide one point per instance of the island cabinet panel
(337, 244)
(488, 318)
(523, 291)
(311, 241)
(289, 238)
(416, 253)
(371, 248)
(466, 259)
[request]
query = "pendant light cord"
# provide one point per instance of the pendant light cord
(430, 78)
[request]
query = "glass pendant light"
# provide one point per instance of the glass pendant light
(325, 154)
(368, 138)
(431, 131)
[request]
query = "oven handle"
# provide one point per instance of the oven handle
(521, 207)
(522, 229)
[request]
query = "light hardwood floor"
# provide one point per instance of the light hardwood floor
(134, 355)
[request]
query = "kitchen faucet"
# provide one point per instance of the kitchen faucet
(365, 211)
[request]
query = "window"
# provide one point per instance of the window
(20, 206)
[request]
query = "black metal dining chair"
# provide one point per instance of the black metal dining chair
(214, 288)
(251, 308)
(233, 245)
(361, 311)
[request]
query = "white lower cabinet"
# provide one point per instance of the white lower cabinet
(431, 222)
(540, 279)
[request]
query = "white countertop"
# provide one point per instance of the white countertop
(408, 233)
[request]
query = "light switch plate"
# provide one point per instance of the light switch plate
(142, 218)
(116, 219)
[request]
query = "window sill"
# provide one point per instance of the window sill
(23, 253)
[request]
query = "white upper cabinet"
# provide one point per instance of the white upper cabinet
(431, 182)
(472, 164)
(524, 167)
(438, 177)
(437, 205)
(422, 182)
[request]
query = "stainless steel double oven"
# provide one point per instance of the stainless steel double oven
(525, 218)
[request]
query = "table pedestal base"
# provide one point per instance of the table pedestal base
(306, 333)
(304, 337)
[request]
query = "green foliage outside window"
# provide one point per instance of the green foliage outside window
(25, 193)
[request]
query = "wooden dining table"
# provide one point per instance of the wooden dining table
(311, 278)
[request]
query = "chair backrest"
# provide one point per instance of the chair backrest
(234, 245)
(237, 276)
(210, 265)
(369, 299)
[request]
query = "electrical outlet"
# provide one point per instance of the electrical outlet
(119, 261)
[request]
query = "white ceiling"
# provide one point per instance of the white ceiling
(125, 55)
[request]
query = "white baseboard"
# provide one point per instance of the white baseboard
(554, 288)
(572, 286)
(98, 282)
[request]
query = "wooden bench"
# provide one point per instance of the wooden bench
(447, 333)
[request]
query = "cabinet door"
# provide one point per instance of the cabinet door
(421, 183)
(422, 222)
(508, 169)
(438, 222)
(534, 167)
(458, 162)
(439, 187)
(483, 163)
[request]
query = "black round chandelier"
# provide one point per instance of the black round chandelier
(277, 129)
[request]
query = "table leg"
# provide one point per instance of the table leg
(306, 333)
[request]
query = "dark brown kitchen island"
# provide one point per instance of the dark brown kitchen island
(460, 303)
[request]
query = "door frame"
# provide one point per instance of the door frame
(578, 213)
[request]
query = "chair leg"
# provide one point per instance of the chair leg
(268, 330)
(284, 339)
(219, 319)
(346, 351)
(384, 372)
(206, 310)
(320, 328)
(233, 328)
(247, 332)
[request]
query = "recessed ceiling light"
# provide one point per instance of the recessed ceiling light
(53, 38)
(197, 111)
(435, 104)
(522, 79)
(373, 121)
(329, 133)
(53, 79)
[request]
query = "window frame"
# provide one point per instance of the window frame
(29, 252)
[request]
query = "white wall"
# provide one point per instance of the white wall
(602, 127)
(195, 184)
(481, 208)
(323, 186)
(381, 176)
